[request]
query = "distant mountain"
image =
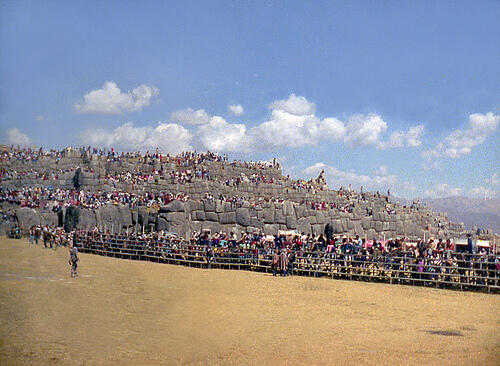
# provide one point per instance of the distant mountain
(482, 213)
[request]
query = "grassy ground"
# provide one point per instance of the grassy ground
(120, 312)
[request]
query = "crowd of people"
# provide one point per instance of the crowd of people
(431, 260)
(46, 197)
(51, 236)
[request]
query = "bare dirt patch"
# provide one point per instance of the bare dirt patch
(121, 312)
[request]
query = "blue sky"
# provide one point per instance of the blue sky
(400, 94)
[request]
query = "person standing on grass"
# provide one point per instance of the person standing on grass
(73, 260)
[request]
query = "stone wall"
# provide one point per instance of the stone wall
(183, 218)
(198, 214)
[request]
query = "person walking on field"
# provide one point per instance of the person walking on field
(73, 260)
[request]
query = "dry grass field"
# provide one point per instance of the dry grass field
(121, 312)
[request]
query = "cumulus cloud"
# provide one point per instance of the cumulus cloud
(218, 135)
(336, 177)
(110, 99)
(443, 190)
(293, 123)
(411, 138)
(168, 137)
(461, 142)
(286, 129)
(295, 105)
(363, 130)
(16, 137)
(236, 109)
(189, 116)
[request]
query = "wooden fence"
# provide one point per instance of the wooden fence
(459, 271)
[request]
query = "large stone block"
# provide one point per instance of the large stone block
(300, 211)
(161, 224)
(321, 217)
(87, 220)
(49, 218)
(219, 206)
(310, 212)
(256, 223)
(174, 206)
(268, 215)
(345, 224)
(386, 226)
(371, 233)
(271, 229)
(125, 215)
(243, 217)
(337, 226)
(175, 217)
(279, 218)
(211, 216)
(252, 211)
(288, 209)
(366, 222)
(303, 225)
(357, 228)
(227, 218)
(291, 222)
(27, 218)
(209, 206)
(193, 205)
(198, 215)
(213, 227)
(318, 229)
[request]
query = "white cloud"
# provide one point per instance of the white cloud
(168, 137)
(443, 190)
(236, 109)
(218, 135)
(336, 178)
(364, 130)
(461, 142)
(40, 118)
(16, 137)
(298, 106)
(293, 124)
(412, 138)
(189, 116)
(110, 100)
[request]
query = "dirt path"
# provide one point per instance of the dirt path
(121, 312)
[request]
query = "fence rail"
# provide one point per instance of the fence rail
(459, 271)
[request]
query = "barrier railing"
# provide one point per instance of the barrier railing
(457, 271)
